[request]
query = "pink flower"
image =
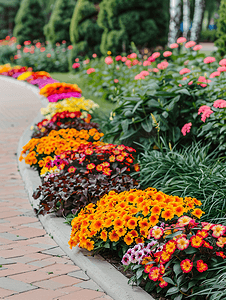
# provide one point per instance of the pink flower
(184, 71)
(222, 62)
(70, 47)
(90, 70)
(77, 59)
(108, 60)
(184, 78)
(155, 70)
(117, 58)
(203, 79)
(144, 73)
(146, 63)
(190, 44)
(173, 46)
(128, 63)
(124, 58)
(86, 61)
(167, 53)
(163, 65)
(151, 58)
(155, 55)
(181, 40)
(197, 47)
(214, 74)
(186, 128)
(135, 62)
(115, 80)
(48, 55)
(76, 65)
(94, 55)
(139, 76)
(132, 55)
(221, 69)
(209, 60)
(190, 82)
(206, 112)
(220, 103)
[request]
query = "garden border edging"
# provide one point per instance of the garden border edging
(103, 273)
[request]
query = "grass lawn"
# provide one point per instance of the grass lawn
(105, 106)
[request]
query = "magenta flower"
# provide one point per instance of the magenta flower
(206, 112)
(57, 97)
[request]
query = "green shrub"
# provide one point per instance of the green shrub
(29, 22)
(85, 33)
(221, 29)
(57, 29)
(193, 171)
(208, 36)
(124, 21)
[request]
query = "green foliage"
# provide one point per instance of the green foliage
(208, 35)
(57, 29)
(8, 10)
(193, 171)
(221, 29)
(45, 58)
(143, 22)
(29, 22)
(85, 33)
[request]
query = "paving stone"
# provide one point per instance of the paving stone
(5, 293)
(90, 284)
(29, 232)
(6, 261)
(79, 274)
(43, 246)
(57, 282)
(82, 294)
(11, 236)
(15, 285)
(54, 251)
(59, 269)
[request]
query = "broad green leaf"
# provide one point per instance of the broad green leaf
(183, 91)
(172, 290)
(177, 269)
(147, 125)
(169, 280)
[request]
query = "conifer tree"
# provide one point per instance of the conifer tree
(221, 29)
(29, 22)
(124, 21)
(85, 33)
(58, 27)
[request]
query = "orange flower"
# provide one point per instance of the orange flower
(201, 266)
(167, 214)
(186, 265)
(97, 225)
(104, 235)
(132, 223)
(196, 241)
(156, 210)
(113, 236)
(118, 223)
(128, 239)
(154, 273)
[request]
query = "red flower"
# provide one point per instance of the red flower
(186, 265)
(201, 266)
(90, 166)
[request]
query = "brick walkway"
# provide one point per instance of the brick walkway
(32, 266)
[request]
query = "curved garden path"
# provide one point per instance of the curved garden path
(32, 266)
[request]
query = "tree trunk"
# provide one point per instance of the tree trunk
(174, 24)
(186, 18)
(197, 20)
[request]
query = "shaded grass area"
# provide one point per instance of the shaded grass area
(105, 106)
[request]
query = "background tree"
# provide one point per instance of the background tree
(124, 21)
(221, 29)
(58, 27)
(47, 8)
(8, 10)
(29, 22)
(85, 33)
(186, 18)
(197, 19)
(174, 23)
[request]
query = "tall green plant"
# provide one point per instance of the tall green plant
(58, 27)
(221, 29)
(29, 22)
(85, 33)
(124, 21)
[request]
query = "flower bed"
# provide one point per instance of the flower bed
(158, 236)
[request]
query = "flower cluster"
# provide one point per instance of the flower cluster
(188, 247)
(91, 158)
(206, 111)
(127, 217)
(59, 88)
(71, 105)
(55, 143)
(63, 120)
